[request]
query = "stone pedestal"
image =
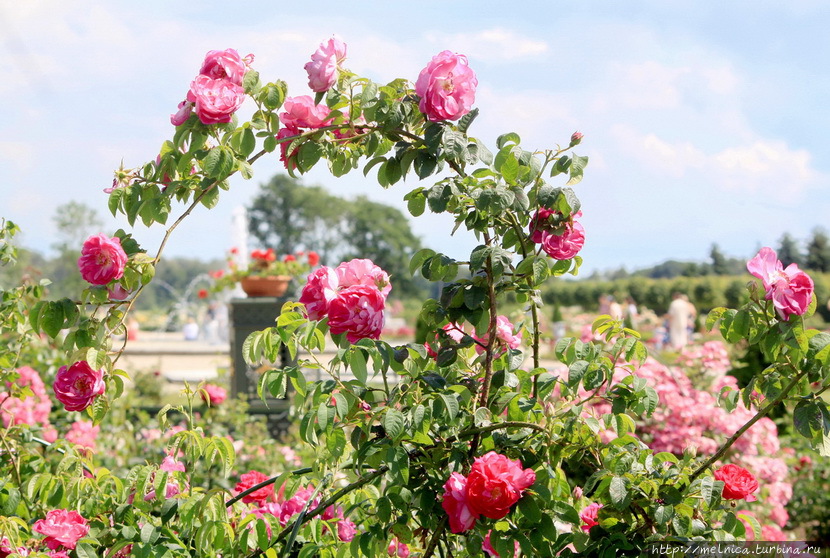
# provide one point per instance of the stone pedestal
(247, 316)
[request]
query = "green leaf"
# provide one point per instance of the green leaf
(419, 258)
(466, 120)
(393, 423)
(577, 169)
(450, 404)
(618, 491)
(663, 514)
(219, 162)
(310, 153)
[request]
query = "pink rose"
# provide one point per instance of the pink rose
(738, 483)
(447, 87)
(252, 478)
(77, 385)
(117, 292)
(62, 528)
(488, 548)
(504, 333)
(181, 116)
(589, 516)
(83, 433)
(215, 100)
(224, 64)
(301, 112)
(325, 63)
(363, 272)
(462, 516)
(397, 548)
(320, 289)
(357, 311)
(170, 464)
(790, 289)
(297, 502)
(102, 259)
(216, 394)
(289, 160)
(562, 242)
(495, 483)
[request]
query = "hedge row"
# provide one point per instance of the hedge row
(705, 292)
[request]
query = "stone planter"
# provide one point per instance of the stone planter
(265, 286)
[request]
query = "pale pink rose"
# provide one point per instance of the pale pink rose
(181, 115)
(397, 548)
(83, 433)
(504, 333)
(325, 63)
(462, 517)
(302, 112)
(216, 394)
(495, 483)
(447, 87)
(363, 272)
(102, 259)
(320, 289)
(170, 464)
(488, 548)
(215, 100)
(790, 289)
(589, 516)
(62, 528)
(357, 311)
(50, 433)
(224, 64)
(77, 385)
(566, 245)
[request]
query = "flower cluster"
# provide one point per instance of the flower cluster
(31, 410)
(265, 263)
(494, 484)
(352, 297)
(560, 238)
(790, 289)
(269, 502)
(216, 93)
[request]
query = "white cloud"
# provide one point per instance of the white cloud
(18, 154)
(766, 167)
(490, 44)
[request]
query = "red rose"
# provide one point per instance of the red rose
(738, 483)
(250, 479)
(495, 483)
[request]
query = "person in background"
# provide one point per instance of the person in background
(615, 309)
(680, 311)
(631, 313)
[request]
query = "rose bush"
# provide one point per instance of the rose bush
(477, 449)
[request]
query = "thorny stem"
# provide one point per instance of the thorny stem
(436, 536)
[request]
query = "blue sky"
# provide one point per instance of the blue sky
(704, 123)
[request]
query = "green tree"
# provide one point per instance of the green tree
(289, 216)
(720, 264)
(382, 234)
(789, 252)
(74, 222)
(818, 251)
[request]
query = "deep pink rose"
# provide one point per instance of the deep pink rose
(77, 385)
(320, 289)
(738, 483)
(589, 516)
(447, 87)
(567, 245)
(397, 548)
(495, 483)
(791, 290)
(216, 394)
(301, 112)
(539, 224)
(215, 100)
(462, 516)
(504, 333)
(488, 548)
(102, 259)
(181, 115)
(363, 272)
(62, 528)
(297, 502)
(325, 63)
(252, 478)
(224, 64)
(288, 159)
(357, 311)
